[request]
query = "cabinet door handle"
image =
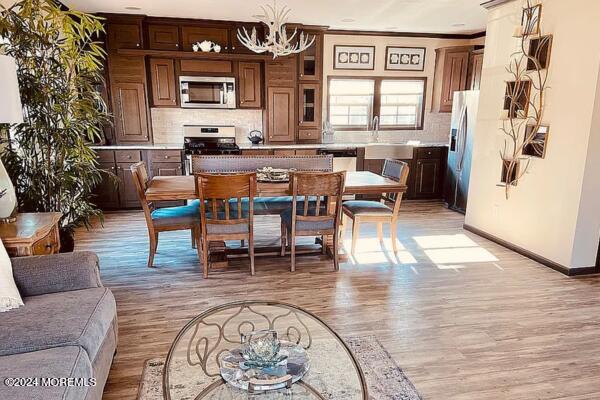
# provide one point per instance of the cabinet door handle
(176, 44)
(166, 157)
(137, 45)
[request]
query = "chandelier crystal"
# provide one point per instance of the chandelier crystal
(277, 40)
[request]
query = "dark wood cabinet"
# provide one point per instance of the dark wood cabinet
(250, 85)
(451, 75)
(162, 77)
(281, 71)
(427, 178)
(130, 109)
(127, 191)
(235, 45)
(124, 35)
(281, 110)
(476, 70)
(309, 105)
(163, 37)
(106, 194)
(310, 64)
(193, 34)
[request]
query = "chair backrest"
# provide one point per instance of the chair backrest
(240, 163)
(140, 179)
(398, 171)
(317, 187)
(221, 198)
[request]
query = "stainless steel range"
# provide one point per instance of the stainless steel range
(208, 140)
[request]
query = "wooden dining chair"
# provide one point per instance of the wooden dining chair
(315, 210)
(221, 212)
(167, 218)
(379, 212)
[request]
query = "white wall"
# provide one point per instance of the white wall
(436, 125)
(555, 209)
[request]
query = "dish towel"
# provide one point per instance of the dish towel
(9, 294)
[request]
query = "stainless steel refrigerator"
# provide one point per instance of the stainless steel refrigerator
(462, 133)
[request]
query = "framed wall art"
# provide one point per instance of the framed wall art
(530, 20)
(404, 58)
(354, 57)
(536, 147)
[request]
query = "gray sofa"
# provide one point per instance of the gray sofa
(67, 329)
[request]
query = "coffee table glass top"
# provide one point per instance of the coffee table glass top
(192, 366)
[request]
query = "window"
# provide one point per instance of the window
(398, 102)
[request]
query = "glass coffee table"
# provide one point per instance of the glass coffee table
(192, 367)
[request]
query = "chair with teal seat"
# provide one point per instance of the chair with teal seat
(164, 219)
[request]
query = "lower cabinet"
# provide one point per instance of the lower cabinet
(117, 190)
(427, 179)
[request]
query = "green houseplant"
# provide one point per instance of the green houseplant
(60, 64)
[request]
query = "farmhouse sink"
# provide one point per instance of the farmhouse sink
(381, 151)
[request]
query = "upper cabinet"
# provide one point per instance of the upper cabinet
(163, 37)
(476, 69)
(124, 32)
(162, 77)
(309, 111)
(310, 64)
(451, 72)
(235, 45)
(250, 85)
(130, 109)
(281, 110)
(216, 34)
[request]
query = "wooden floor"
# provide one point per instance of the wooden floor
(464, 317)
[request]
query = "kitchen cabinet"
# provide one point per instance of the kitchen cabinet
(200, 33)
(162, 77)
(309, 105)
(128, 197)
(309, 135)
(310, 61)
(106, 194)
(235, 45)
(281, 110)
(124, 33)
(451, 71)
(476, 70)
(163, 37)
(281, 71)
(117, 189)
(131, 112)
(250, 85)
(203, 67)
(165, 163)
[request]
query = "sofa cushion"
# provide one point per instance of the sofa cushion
(58, 362)
(366, 207)
(79, 317)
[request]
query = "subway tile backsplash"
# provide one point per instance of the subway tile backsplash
(167, 123)
(167, 126)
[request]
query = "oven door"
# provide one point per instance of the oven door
(207, 92)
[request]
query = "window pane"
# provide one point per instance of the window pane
(401, 102)
(351, 102)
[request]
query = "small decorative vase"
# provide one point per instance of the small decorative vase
(8, 198)
(217, 48)
(195, 47)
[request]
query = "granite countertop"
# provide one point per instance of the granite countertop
(246, 146)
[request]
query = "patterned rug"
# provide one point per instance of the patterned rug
(385, 379)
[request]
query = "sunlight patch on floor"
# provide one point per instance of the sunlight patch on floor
(372, 251)
(460, 255)
(452, 251)
(444, 241)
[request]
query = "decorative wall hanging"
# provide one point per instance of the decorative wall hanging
(404, 58)
(354, 57)
(526, 136)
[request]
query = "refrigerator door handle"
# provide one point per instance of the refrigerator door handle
(462, 139)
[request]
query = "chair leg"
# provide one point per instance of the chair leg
(293, 251)
(153, 245)
(193, 231)
(355, 230)
(283, 239)
(380, 231)
(336, 250)
(324, 244)
(393, 227)
(198, 242)
(205, 257)
(342, 229)
(251, 251)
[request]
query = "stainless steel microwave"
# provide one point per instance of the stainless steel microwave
(207, 92)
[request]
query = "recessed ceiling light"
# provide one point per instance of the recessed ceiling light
(133, 8)
(459, 25)
(348, 20)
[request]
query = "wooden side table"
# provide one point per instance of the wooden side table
(32, 234)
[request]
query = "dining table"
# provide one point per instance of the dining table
(161, 188)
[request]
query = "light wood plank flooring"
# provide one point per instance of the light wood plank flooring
(464, 317)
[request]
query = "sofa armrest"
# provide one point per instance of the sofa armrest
(56, 273)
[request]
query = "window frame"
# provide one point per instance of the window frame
(375, 109)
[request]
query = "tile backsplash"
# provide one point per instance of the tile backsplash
(167, 123)
(167, 126)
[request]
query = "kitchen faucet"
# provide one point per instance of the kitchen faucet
(375, 129)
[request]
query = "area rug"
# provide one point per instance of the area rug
(385, 379)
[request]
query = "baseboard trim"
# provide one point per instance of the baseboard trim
(533, 256)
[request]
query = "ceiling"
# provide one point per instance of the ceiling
(421, 16)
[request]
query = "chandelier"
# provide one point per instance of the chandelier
(277, 41)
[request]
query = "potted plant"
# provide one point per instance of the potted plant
(60, 64)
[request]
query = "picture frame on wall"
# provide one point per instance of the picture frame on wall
(354, 57)
(405, 58)
(537, 146)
